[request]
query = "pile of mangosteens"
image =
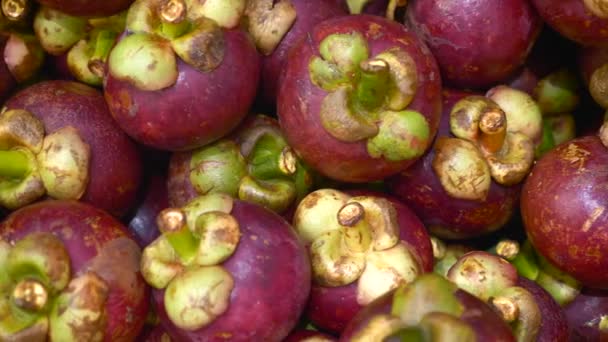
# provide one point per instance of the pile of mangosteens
(304, 170)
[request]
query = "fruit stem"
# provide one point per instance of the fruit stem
(30, 295)
(104, 40)
(14, 164)
(172, 11)
(493, 127)
(357, 235)
(271, 158)
(15, 10)
(173, 225)
(507, 249)
(356, 6)
(373, 84)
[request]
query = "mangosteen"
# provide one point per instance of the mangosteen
(87, 8)
(360, 100)
(226, 269)
(360, 246)
(70, 272)
(477, 44)
(588, 316)
(468, 184)
(58, 139)
(183, 74)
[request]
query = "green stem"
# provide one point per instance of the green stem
(173, 225)
(103, 42)
(14, 164)
(265, 159)
(371, 89)
(525, 262)
(356, 6)
(174, 30)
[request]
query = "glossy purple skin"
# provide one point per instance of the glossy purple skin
(584, 314)
(477, 43)
(271, 271)
(299, 100)
(486, 324)
(115, 168)
(554, 326)
(143, 224)
(572, 20)
(304, 335)
(198, 109)
(331, 308)
(91, 8)
(443, 215)
(562, 207)
(88, 232)
(309, 14)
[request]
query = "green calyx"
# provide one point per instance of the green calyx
(38, 298)
(355, 239)
(164, 29)
(256, 166)
(557, 92)
(87, 41)
(368, 96)
(268, 22)
(186, 259)
(423, 310)
(32, 164)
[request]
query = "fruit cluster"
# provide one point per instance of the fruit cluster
(304, 170)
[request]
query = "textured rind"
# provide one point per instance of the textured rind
(563, 206)
(299, 100)
(115, 168)
(86, 231)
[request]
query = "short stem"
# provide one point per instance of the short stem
(508, 249)
(172, 11)
(276, 195)
(372, 87)
(506, 307)
(173, 225)
(14, 164)
(270, 158)
(15, 10)
(493, 127)
(356, 6)
(30, 295)
(104, 40)
(357, 235)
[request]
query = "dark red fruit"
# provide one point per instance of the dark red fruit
(588, 316)
(397, 251)
(180, 80)
(114, 167)
(563, 209)
(446, 309)
(583, 21)
(328, 103)
(226, 269)
(102, 264)
(443, 214)
(308, 336)
(88, 8)
(478, 43)
(308, 13)
(553, 326)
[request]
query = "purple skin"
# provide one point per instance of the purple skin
(90, 8)
(309, 13)
(183, 117)
(476, 43)
(331, 308)
(375, 7)
(442, 214)
(554, 326)
(143, 224)
(115, 168)
(299, 100)
(572, 20)
(487, 325)
(584, 314)
(303, 336)
(271, 272)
